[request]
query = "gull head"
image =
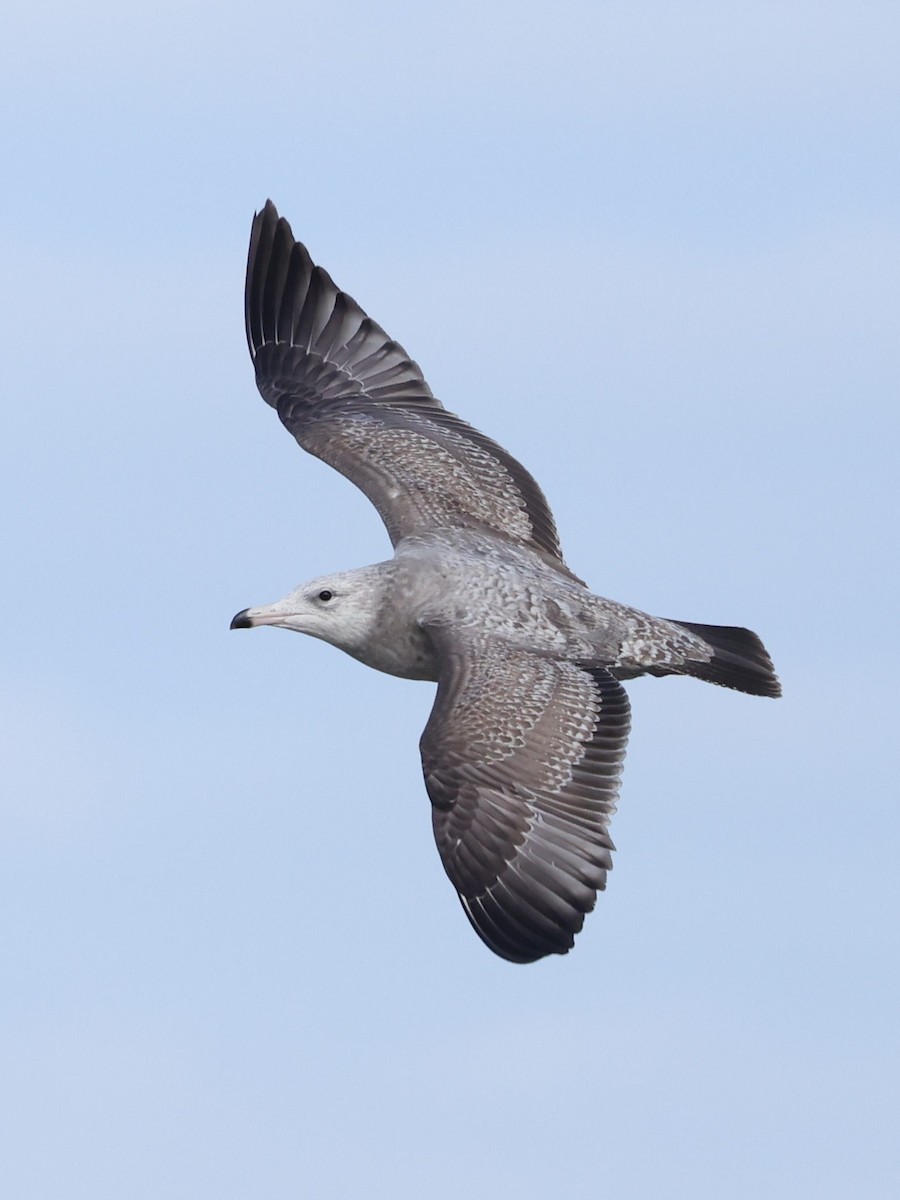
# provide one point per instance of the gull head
(342, 609)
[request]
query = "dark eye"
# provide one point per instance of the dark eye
(325, 594)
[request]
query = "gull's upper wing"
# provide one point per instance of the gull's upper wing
(522, 757)
(354, 398)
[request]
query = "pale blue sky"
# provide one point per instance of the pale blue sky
(233, 966)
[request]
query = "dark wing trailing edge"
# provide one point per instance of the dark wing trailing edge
(522, 758)
(354, 398)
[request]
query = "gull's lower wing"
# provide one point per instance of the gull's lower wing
(353, 397)
(522, 758)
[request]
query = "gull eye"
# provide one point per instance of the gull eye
(325, 595)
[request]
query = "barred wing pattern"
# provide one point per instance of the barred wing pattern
(522, 758)
(353, 397)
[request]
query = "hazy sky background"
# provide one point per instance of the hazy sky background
(652, 248)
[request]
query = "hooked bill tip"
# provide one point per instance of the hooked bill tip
(241, 620)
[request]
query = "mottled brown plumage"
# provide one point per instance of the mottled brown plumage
(523, 751)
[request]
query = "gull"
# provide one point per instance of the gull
(522, 753)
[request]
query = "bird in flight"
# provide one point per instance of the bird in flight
(523, 751)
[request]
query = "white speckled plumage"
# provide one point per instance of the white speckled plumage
(523, 751)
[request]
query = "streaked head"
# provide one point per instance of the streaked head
(341, 609)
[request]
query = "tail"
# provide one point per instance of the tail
(739, 660)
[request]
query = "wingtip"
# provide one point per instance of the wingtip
(265, 218)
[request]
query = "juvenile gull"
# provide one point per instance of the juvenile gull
(523, 750)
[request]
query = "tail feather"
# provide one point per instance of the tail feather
(739, 661)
